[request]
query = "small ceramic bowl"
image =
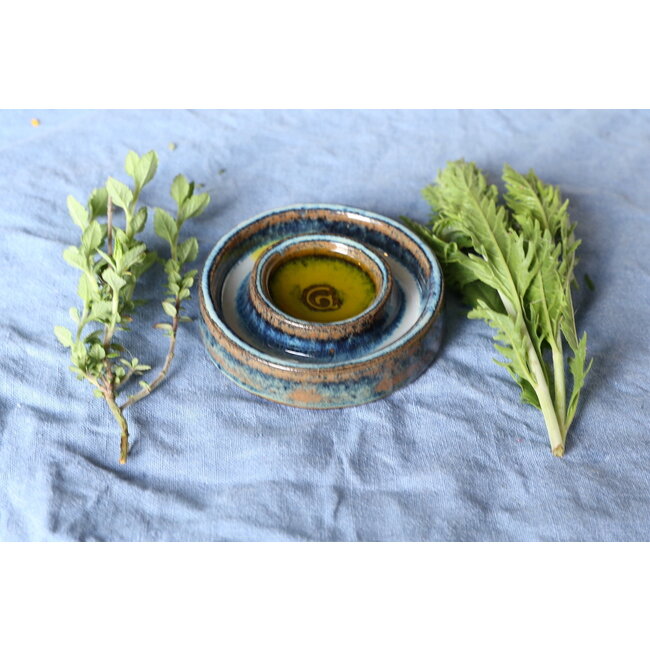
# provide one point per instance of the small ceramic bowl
(294, 358)
(320, 298)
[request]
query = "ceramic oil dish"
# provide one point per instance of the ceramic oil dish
(311, 358)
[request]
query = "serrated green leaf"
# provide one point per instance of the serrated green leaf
(188, 250)
(180, 189)
(64, 335)
(165, 226)
(579, 373)
(78, 213)
(119, 193)
(170, 308)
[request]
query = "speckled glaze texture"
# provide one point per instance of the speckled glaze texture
(312, 370)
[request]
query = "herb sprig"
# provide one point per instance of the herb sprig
(514, 264)
(110, 277)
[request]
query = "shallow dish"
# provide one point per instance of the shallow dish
(322, 371)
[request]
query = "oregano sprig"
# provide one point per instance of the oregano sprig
(112, 260)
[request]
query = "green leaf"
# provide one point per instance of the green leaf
(74, 314)
(64, 335)
(78, 213)
(146, 168)
(132, 256)
(139, 220)
(98, 202)
(170, 308)
(188, 250)
(165, 226)
(163, 326)
(579, 373)
(97, 352)
(194, 206)
(87, 289)
(145, 385)
(73, 256)
(121, 195)
(91, 238)
(184, 294)
(131, 163)
(149, 259)
(113, 280)
(180, 189)
(101, 310)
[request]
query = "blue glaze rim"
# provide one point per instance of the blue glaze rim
(431, 306)
(277, 248)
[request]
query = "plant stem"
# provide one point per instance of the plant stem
(543, 393)
(109, 226)
(559, 383)
(540, 385)
(109, 395)
(165, 369)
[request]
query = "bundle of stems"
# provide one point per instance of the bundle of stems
(513, 262)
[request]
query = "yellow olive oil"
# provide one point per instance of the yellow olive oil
(321, 288)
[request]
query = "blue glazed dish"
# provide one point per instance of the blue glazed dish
(304, 363)
(306, 339)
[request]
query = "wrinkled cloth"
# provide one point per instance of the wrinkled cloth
(453, 456)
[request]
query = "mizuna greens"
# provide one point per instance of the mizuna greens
(514, 262)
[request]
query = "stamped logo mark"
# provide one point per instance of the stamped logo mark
(321, 297)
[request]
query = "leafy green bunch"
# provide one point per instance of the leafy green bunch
(110, 277)
(514, 263)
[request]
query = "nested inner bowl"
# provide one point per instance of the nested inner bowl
(320, 287)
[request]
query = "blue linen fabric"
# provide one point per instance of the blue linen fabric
(453, 456)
